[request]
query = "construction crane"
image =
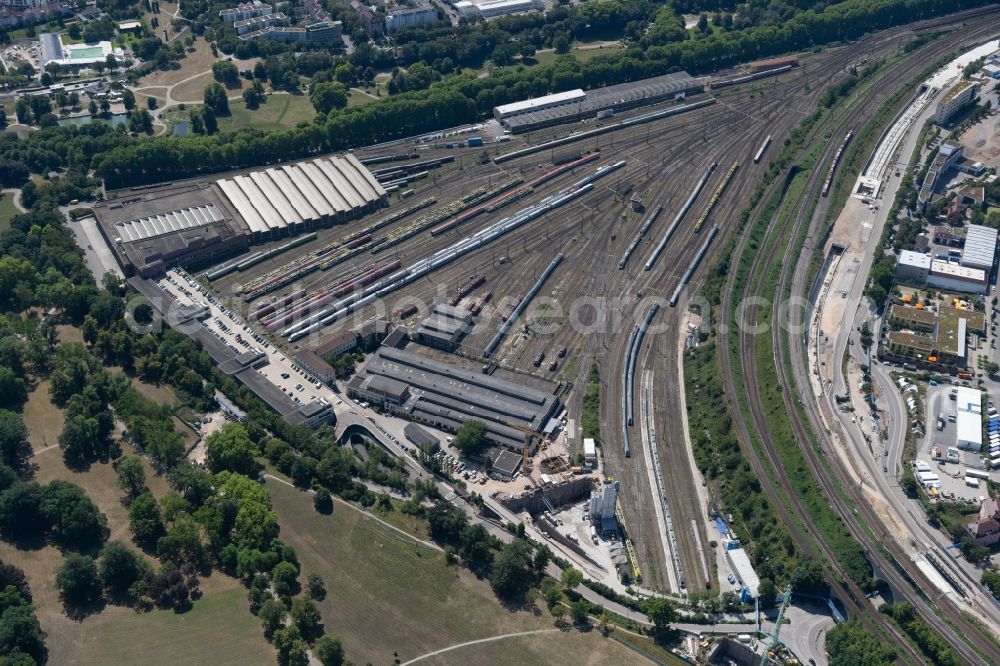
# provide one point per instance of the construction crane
(777, 626)
(528, 434)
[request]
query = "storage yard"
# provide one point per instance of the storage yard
(558, 262)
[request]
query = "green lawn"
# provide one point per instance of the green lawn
(581, 54)
(385, 595)
(7, 210)
(218, 630)
(278, 112)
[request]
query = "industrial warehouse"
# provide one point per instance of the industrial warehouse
(197, 224)
(442, 395)
(577, 104)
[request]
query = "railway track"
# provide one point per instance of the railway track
(956, 625)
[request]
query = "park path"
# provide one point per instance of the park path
(15, 193)
(476, 642)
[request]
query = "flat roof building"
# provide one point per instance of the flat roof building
(505, 465)
(954, 100)
(954, 277)
(445, 396)
(538, 103)
(402, 18)
(444, 327)
(969, 431)
(912, 267)
(245, 10)
(744, 572)
(490, 8)
(980, 247)
(597, 102)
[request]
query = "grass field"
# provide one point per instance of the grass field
(387, 596)
(278, 112)
(7, 210)
(568, 646)
(580, 53)
(218, 630)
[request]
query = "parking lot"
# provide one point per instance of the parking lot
(236, 334)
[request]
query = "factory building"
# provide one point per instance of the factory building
(486, 9)
(739, 562)
(402, 18)
(444, 396)
(445, 327)
(300, 197)
(980, 247)
(961, 95)
(932, 338)
(600, 102)
(602, 509)
(198, 223)
(912, 267)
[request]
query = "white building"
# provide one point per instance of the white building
(969, 421)
(490, 8)
(739, 561)
(913, 267)
(411, 17)
(589, 452)
(538, 103)
(954, 100)
(953, 277)
(244, 11)
(980, 247)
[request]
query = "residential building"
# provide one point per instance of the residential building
(985, 530)
(314, 364)
(322, 32)
(259, 23)
(402, 18)
(961, 95)
(245, 10)
(339, 344)
(949, 154)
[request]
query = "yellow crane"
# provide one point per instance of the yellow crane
(528, 435)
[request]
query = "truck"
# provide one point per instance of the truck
(538, 360)
(475, 141)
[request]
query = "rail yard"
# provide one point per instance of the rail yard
(567, 246)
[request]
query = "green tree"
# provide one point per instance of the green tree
(768, 592)
(470, 438)
(571, 578)
(306, 616)
(145, 521)
(512, 577)
(284, 576)
(216, 99)
(328, 96)
(78, 581)
(231, 449)
(272, 614)
(226, 73)
(21, 513)
(850, 644)
(14, 447)
(251, 98)
(661, 613)
(315, 587)
(561, 43)
(131, 475)
(579, 611)
(128, 99)
(120, 568)
(323, 501)
(329, 650)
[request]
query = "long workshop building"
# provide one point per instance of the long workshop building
(444, 396)
(199, 223)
